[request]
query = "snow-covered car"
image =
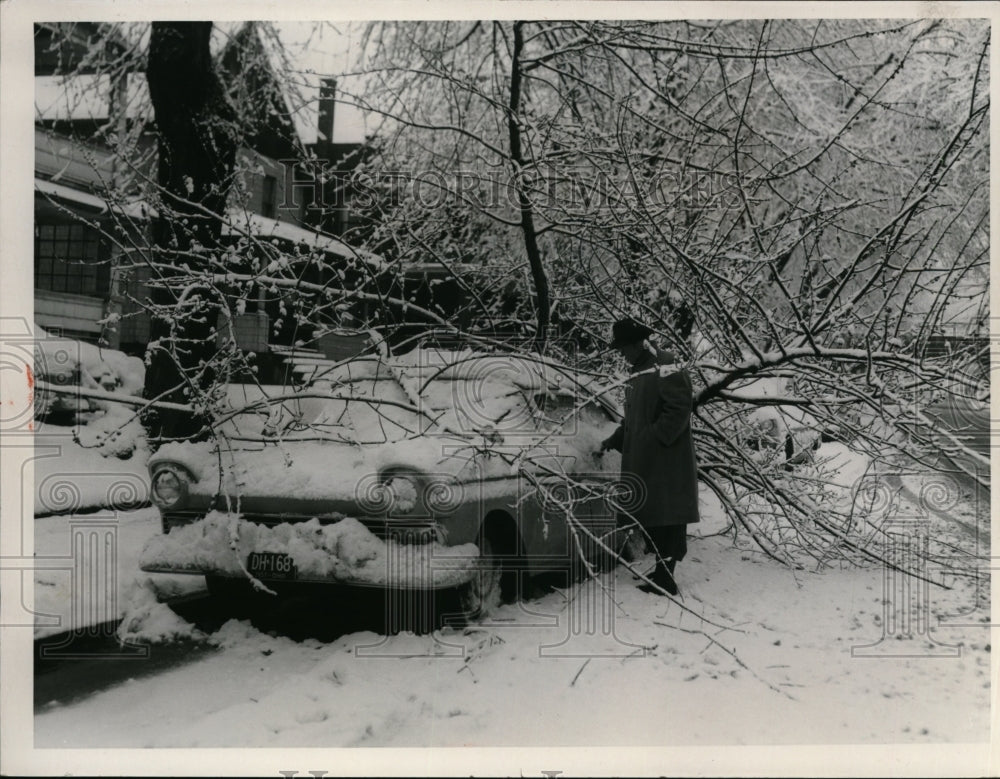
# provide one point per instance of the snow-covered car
(784, 433)
(66, 363)
(771, 429)
(428, 470)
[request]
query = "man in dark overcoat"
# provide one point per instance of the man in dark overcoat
(657, 448)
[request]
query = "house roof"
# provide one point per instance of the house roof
(253, 37)
(87, 96)
(237, 222)
(135, 209)
(71, 195)
(262, 228)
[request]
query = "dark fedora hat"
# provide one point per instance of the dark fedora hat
(628, 331)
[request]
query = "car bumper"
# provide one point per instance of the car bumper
(344, 552)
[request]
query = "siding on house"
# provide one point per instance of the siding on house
(61, 312)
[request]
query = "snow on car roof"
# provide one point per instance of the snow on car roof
(275, 449)
(524, 370)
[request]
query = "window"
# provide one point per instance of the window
(67, 259)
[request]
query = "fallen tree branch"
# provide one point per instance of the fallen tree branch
(732, 654)
(112, 397)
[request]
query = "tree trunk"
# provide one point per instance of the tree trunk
(197, 144)
(538, 276)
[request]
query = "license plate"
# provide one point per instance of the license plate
(270, 565)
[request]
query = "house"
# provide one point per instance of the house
(73, 259)
(93, 212)
(94, 206)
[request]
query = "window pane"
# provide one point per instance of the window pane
(67, 259)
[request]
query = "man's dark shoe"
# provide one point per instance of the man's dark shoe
(663, 578)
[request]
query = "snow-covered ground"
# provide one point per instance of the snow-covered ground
(754, 654)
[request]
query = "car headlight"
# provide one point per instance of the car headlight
(403, 494)
(169, 488)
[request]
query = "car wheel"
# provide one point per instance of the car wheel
(483, 593)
